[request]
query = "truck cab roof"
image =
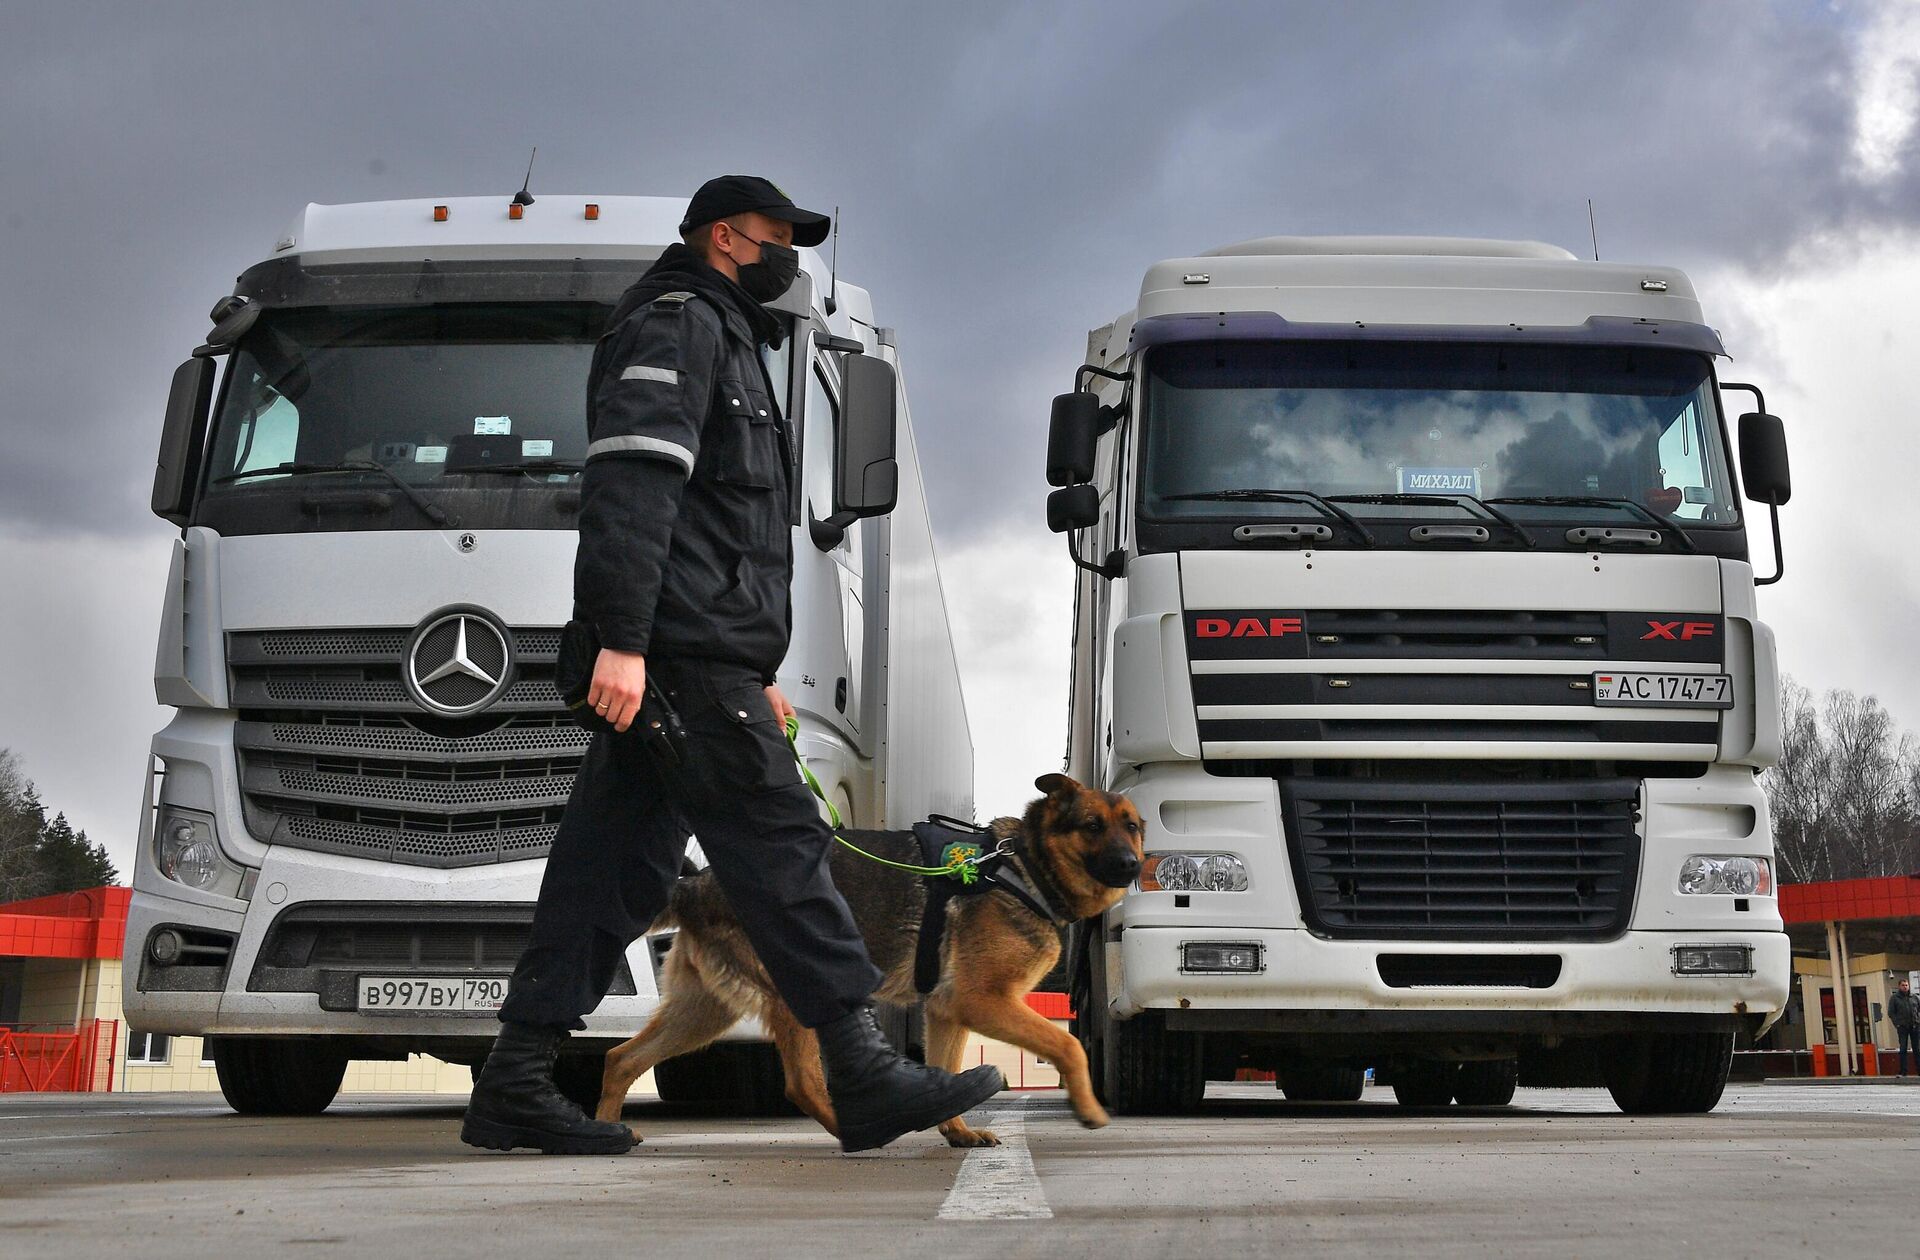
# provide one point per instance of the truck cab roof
(425, 249)
(1374, 284)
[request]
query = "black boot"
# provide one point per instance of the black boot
(878, 1094)
(515, 1102)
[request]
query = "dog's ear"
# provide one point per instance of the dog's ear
(1057, 785)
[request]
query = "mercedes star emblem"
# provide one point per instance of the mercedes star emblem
(458, 662)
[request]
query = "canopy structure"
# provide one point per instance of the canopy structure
(1846, 919)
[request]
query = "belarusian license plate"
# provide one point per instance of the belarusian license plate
(445, 994)
(1664, 691)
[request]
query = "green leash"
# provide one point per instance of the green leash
(963, 865)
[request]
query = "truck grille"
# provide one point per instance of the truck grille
(1462, 861)
(335, 756)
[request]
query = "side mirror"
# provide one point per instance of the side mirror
(1075, 507)
(1763, 458)
(232, 317)
(180, 439)
(1071, 438)
(866, 477)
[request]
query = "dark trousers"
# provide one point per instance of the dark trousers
(620, 845)
(1909, 1041)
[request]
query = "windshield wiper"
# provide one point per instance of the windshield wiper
(428, 510)
(522, 466)
(1594, 500)
(1332, 511)
(1442, 500)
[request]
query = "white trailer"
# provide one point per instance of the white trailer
(338, 855)
(1415, 613)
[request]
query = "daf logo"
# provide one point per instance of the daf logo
(458, 662)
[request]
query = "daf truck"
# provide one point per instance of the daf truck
(1415, 612)
(346, 818)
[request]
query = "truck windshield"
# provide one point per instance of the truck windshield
(388, 418)
(1421, 421)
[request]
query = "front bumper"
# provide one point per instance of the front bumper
(1303, 972)
(291, 878)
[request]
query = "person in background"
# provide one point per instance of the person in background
(1904, 1010)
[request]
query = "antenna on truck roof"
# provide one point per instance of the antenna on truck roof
(1593, 231)
(833, 273)
(523, 197)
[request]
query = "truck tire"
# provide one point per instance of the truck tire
(263, 1077)
(1152, 1071)
(1322, 1082)
(1486, 1082)
(578, 1077)
(1083, 1002)
(1682, 1074)
(730, 1078)
(1424, 1083)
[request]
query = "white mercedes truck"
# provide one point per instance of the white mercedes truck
(347, 816)
(1415, 612)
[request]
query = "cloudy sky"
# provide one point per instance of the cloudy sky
(1006, 172)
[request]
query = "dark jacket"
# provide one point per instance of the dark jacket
(1904, 1010)
(685, 547)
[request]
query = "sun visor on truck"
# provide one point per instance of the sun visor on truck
(1599, 330)
(287, 282)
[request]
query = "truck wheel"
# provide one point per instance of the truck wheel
(1084, 1001)
(1423, 1083)
(1486, 1082)
(1322, 1082)
(263, 1077)
(578, 1077)
(1152, 1071)
(742, 1079)
(1683, 1074)
(690, 1079)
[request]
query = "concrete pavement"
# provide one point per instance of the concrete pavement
(1826, 1171)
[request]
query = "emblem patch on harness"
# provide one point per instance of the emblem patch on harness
(959, 851)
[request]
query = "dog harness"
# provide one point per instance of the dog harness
(957, 864)
(945, 842)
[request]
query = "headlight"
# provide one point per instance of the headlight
(1736, 876)
(1193, 872)
(187, 852)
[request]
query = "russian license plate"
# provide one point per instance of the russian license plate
(445, 994)
(1664, 691)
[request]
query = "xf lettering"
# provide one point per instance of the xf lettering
(1678, 631)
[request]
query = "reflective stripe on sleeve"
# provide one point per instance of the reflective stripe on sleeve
(645, 445)
(666, 376)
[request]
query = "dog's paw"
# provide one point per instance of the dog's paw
(1096, 1119)
(969, 1138)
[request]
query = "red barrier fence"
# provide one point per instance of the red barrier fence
(69, 1060)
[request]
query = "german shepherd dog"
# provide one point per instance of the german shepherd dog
(1078, 846)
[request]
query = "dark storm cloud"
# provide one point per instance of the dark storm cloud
(1007, 172)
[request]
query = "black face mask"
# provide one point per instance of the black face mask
(773, 274)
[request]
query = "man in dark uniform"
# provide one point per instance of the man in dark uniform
(683, 570)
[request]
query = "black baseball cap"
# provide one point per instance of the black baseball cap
(737, 194)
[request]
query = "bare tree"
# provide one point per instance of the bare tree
(1845, 795)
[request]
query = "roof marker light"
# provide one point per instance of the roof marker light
(593, 210)
(515, 210)
(439, 214)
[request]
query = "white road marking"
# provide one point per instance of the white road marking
(65, 1137)
(998, 1183)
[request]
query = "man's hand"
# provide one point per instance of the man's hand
(619, 684)
(782, 707)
